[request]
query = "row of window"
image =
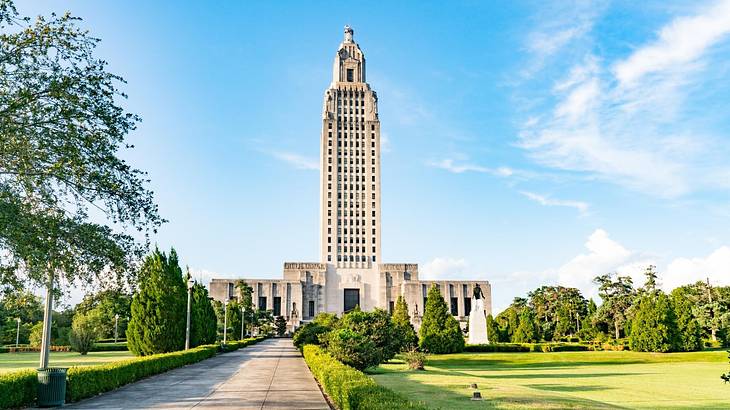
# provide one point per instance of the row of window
(362, 126)
(355, 213)
(352, 258)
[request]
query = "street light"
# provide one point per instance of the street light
(116, 326)
(187, 327)
(225, 320)
(17, 333)
(243, 319)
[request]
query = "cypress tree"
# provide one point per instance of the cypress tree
(406, 335)
(492, 330)
(527, 329)
(654, 325)
(440, 332)
(202, 318)
(158, 308)
(689, 327)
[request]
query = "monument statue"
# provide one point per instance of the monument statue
(477, 318)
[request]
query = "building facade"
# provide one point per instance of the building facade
(350, 272)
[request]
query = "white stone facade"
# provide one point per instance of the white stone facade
(351, 269)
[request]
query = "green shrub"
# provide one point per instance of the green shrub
(654, 325)
(497, 347)
(309, 334)
(109, 347)
(348, 388)
(439, 332)
(238, 344)
(36, 334)
(85, 331)
(404, 331)
(18, 388)
(416, 360)
(363, 339)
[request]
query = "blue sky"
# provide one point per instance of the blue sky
(526, 143)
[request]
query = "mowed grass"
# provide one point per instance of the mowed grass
(29, 360)
(593, 380)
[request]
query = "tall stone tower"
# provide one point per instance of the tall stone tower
(350, 164)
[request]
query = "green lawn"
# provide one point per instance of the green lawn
(15, 361)
(565, 380)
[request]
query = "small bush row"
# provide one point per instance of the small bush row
(527, 347)
(238, 344)
(350, 389)
(27, 348)
(18, 388)
(109, 347)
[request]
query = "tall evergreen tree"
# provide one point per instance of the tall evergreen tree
(527, 331)
(654, 325)
(202, 317)
(158, 307)
(689, 327)
(440, 332)
(406, 334)
(492, 330)
(618, 295)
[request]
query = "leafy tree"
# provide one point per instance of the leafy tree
(313, 332)
(202, 317)
(689, 327)
(85, 330)
(404, 330)
(527, 331)
(18, 303)
(108, 303)
(62, 128)
(158, 307)
(588, 329)
(509, 319)
(246, 300)
(280, 324)
(654, 324)
(36, 334)
(618, 295)
(439, 332)
(492, 330)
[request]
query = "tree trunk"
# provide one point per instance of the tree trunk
(615, 326)
(714, 336)
(47, 317)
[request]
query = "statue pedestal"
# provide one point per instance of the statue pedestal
(477, 324)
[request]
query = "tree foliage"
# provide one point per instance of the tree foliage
(617, 293)
(108, 303)
(404, 331)
(280, 325)
(439, 332)
(527, 330)
(158, 307)
(85, 330)
(654, 324)
(202, 317)
(61, 131)
(363, 339)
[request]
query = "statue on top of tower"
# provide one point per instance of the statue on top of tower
(348, 34)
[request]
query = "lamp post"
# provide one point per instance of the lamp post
(187, 326)
(225, 320)
(116, 326)
(17, 333)
(243, 319)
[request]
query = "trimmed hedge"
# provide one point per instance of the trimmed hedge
(88, 381)
(238, 344)
(18, 389)
(527, 347)
(109, 347)
(350, 389)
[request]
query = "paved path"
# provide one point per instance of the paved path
(268, 375)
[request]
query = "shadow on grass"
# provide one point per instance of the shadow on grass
(567, 389)
(497, 365)
(527, 375)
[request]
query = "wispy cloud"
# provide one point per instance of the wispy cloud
(296, 160)
(461, 167)
(582, 207)
(626, 121)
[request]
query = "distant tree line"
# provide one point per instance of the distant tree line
(647, 318)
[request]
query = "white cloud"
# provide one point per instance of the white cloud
(385, 146)
(582, 207)
(682, 41)
(297, 161)
(443, 267)
(641, 137)
(715, 266)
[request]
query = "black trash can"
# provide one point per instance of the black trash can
(52, 386)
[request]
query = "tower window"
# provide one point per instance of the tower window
(350, 75)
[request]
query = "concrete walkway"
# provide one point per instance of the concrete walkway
(268, 375)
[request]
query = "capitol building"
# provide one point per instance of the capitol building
(350, 271)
